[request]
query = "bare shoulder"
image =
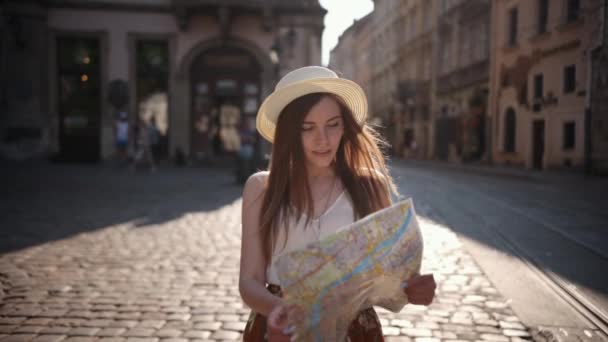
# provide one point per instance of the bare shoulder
(255, 186)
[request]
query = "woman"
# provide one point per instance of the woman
(326, 171)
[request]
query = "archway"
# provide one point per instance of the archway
(216, 72)
(225, 87)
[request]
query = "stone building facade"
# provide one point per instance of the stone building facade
(385, 30)
(540, 80)
(597, 149)
(352, 56)
(463, 63)
(69, 67)
(417, 50)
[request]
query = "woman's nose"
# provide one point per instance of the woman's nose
(322, 136)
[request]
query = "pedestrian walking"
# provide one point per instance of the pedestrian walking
(326, 170)
(143, 152)
(121, 134)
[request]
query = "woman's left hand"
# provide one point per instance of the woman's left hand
(420, 289)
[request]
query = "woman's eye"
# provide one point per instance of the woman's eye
(305, 129)
(334, 124)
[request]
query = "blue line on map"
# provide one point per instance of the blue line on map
(363, 266)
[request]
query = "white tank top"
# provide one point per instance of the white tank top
(337, 215)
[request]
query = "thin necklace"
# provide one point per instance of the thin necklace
(331, 190)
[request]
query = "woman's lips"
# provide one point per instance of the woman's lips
(321, 153)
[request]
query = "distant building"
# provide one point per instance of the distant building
(181, 62)
(384, 33)
(539, 80)
(462, 80)
(598, 125)
(417, 49)
(352, 56)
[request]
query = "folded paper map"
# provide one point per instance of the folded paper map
(327, 283)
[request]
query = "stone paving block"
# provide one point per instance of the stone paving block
(56, 330)
(123, 323)
(415, 332)
(197, 334)
(7, 329)
(235, 326)
(179, 325)
(208, 326)
(178, 317)
(225, 335)
(97, 323)
(12, 320)
(494, 338)
(227, 318)
(49, 338)
(444, 335)
(18, 338)
(515, 333)
(488, 329)
(38, 321)
(427, 339)
(511, 325)
(402, 323)
(69, 322)
(427, 325)
(139, 332)
(397, 339)
(111, 332)
(206, 318)
(29, 329)
(390, 331)
(156, 324)
(168, 333)
(83, 331)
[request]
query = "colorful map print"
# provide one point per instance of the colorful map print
(364, 264)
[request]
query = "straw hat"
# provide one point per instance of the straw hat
(303, 81)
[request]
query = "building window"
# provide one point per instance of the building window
(538, 86)
(572, 10)
(543, 14)
(569, 79)
(512, 27)
(569, 135)
(510, 124)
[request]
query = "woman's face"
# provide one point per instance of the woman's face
(322, 130)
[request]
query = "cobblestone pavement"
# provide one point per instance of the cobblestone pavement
(100, 254)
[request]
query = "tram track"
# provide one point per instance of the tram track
(567, 291)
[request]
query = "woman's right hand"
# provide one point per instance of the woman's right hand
(277, 326)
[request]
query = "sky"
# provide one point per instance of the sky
(340, 15)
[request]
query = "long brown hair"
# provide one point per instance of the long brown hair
(359, 163)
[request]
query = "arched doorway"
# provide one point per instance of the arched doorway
(225, 85)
